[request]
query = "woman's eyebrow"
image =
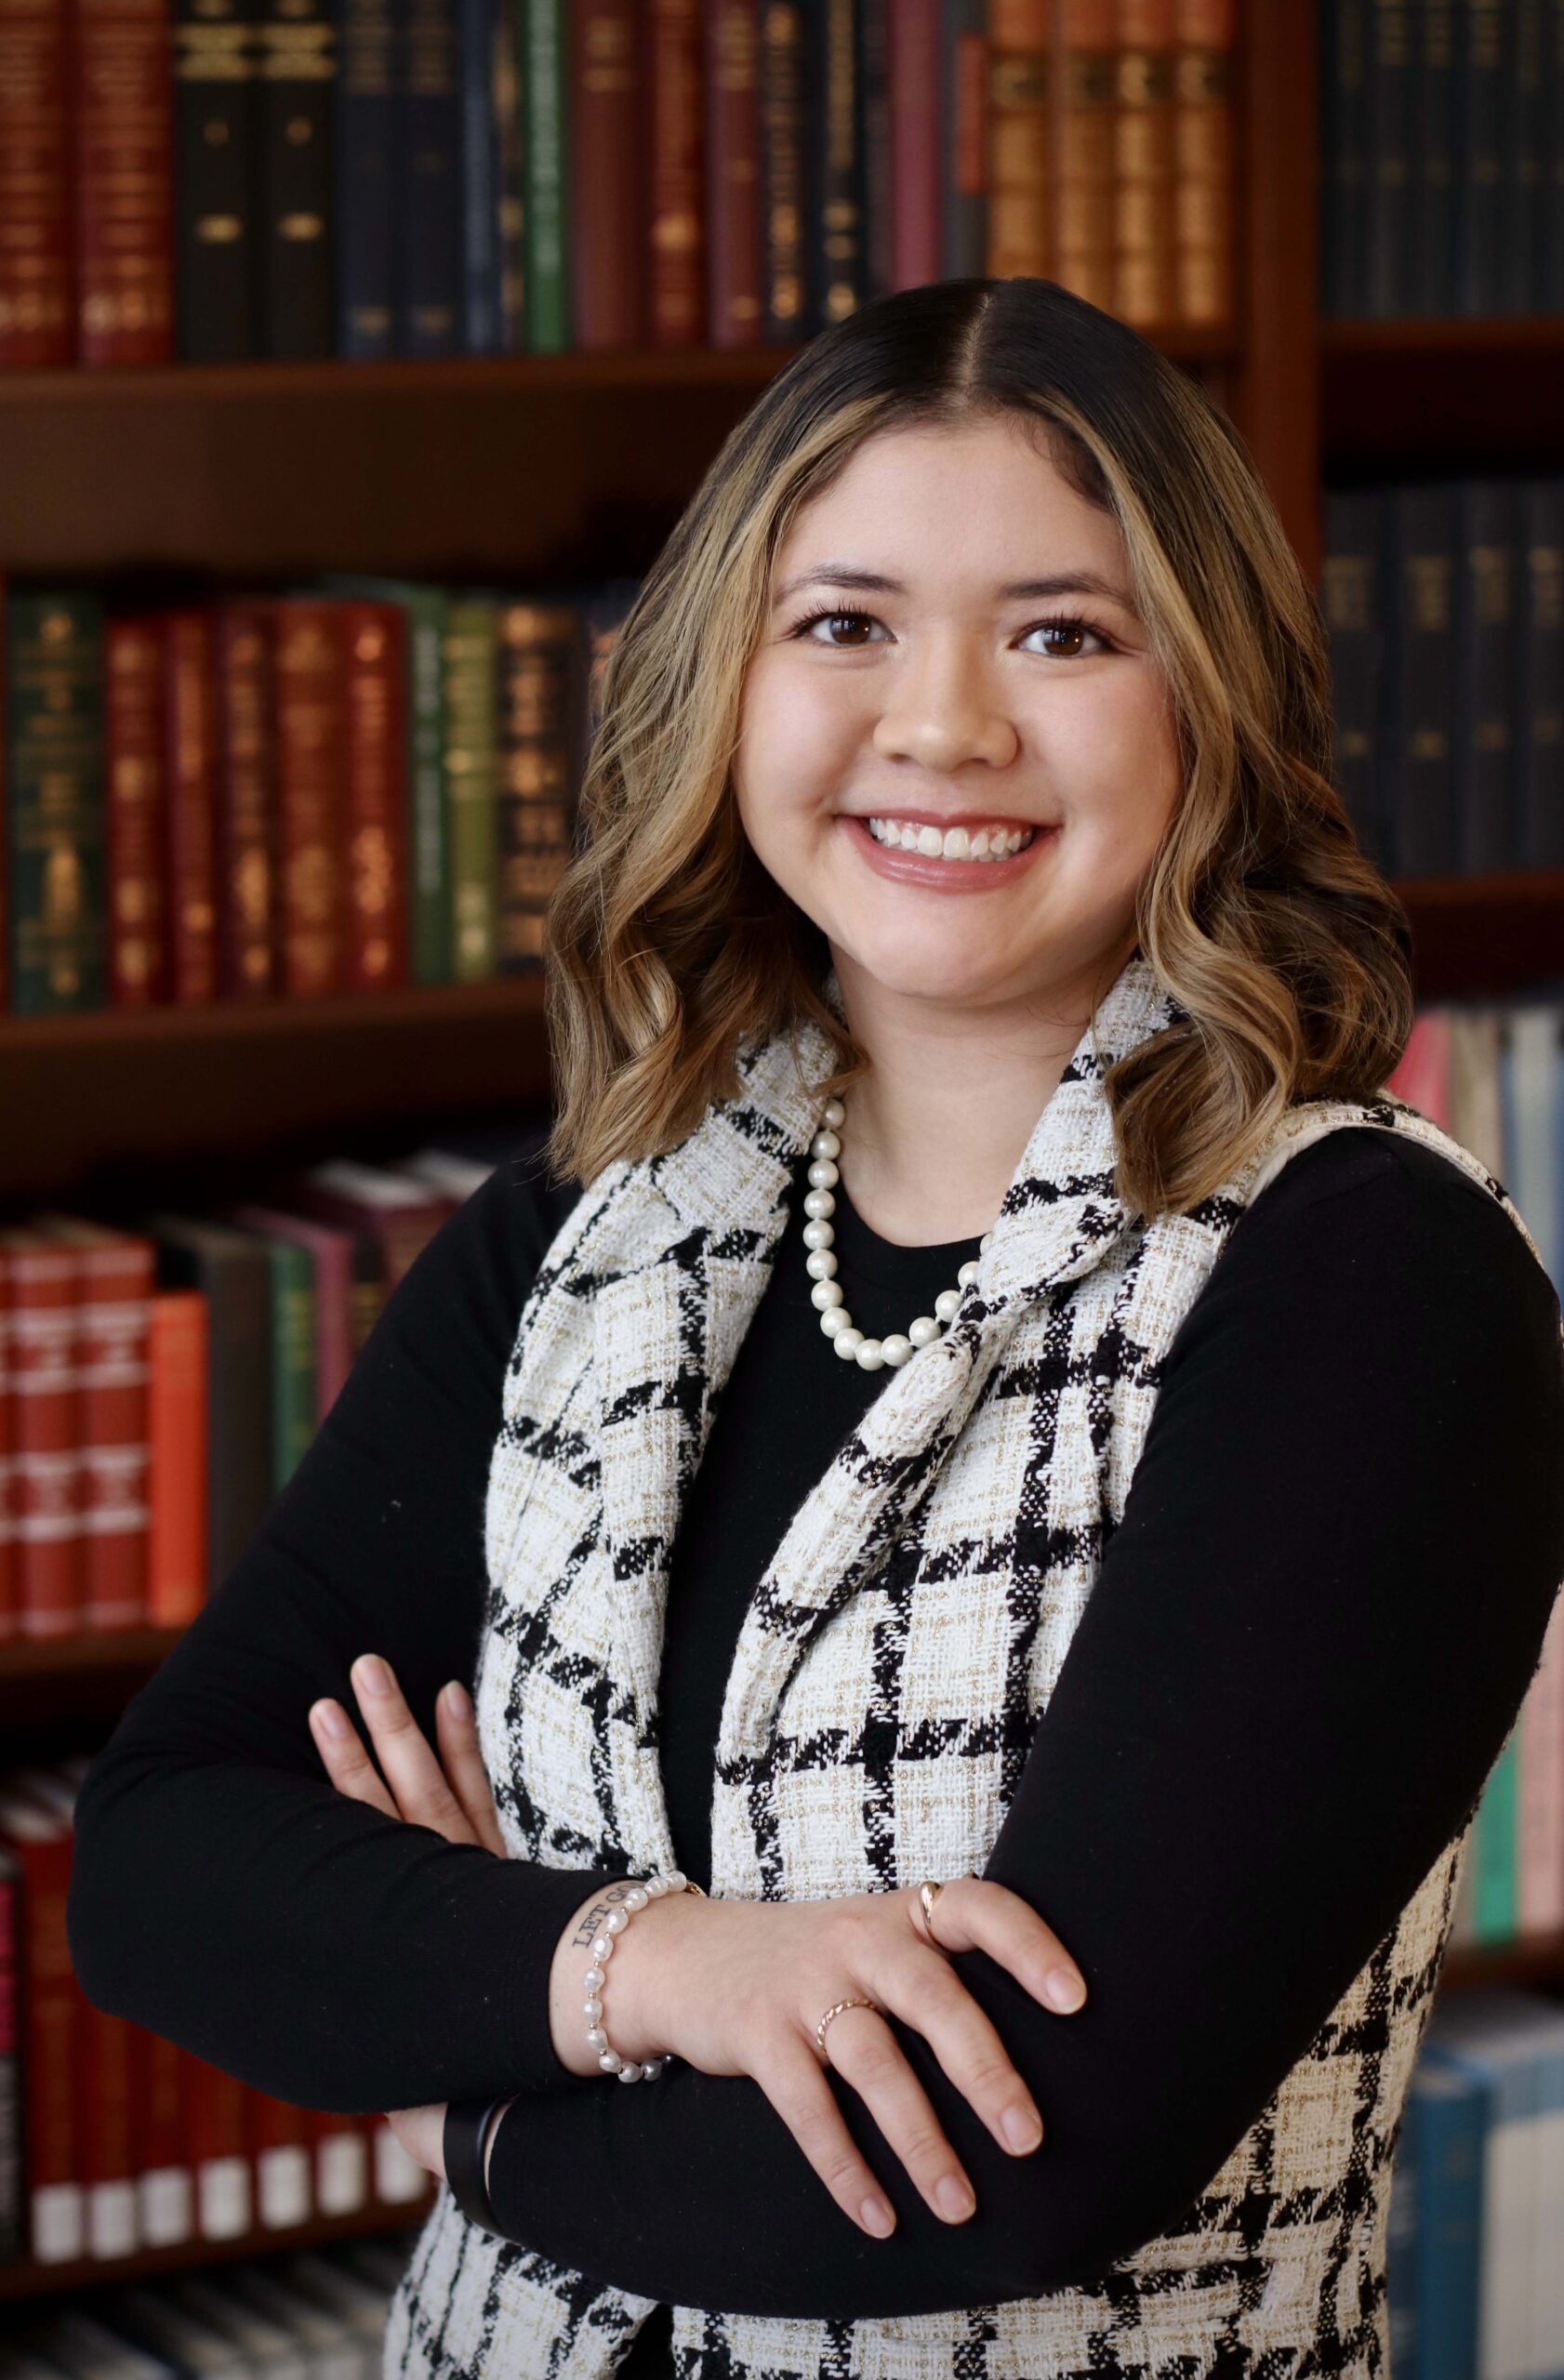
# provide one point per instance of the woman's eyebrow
(873, 582)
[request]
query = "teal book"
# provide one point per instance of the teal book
(1493, 1906)
(473, 785)
(57, 919)
(544, 26)
(293, 1357)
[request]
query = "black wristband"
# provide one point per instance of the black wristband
(466, 2124)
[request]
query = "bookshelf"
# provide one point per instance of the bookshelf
(580, 463)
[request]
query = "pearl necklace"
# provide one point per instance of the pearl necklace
(818, 1234)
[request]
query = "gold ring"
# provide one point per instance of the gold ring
(836, 2011)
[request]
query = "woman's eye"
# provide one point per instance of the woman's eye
(806, 628)
(1074, 630)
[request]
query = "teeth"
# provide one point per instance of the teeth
(989, 842)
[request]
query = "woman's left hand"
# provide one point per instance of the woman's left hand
(448, 1793)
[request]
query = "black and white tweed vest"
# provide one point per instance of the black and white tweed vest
(998, 1498)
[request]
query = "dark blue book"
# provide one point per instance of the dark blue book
(365, 161)
(477, 27)
(1344, 110)
(1392, 162)
(1419, 714)
(298, 67)
(1484, 54)
(1432, 239)
(428, 224)
(1539, 722)
(217, 180)
(1401, 2238)
(1485, 653)
(1526, 161)
(1451, 2121)
(833, 161)
(1550, 238)
(1352, 600)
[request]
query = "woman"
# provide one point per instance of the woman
(1152, 1567)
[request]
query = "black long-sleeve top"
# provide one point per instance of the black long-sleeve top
(1309, 1638)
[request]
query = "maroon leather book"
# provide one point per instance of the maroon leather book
(191, 747)
(309, 740)
(676, 253)
(138, 812)
(244, 637)
(124, 152)
(35, 319)
(915, 172)
(375, 781)
(732, 177)
(607, 184)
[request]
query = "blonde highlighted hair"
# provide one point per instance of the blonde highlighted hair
(671, 948)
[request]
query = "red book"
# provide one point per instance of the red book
(10, 1558)
(41, 1299)
(341, 2161)
(732, 177)
(607, 186)
(247, 801)
(35, 184)
(178, 1363)
(311, 720)
(191, 716)
(122, 90)
(219, 2150)
(676, 173)
(163, 2183)
(279, 2147)
(137, 787)
(376, 784)
(917, 196)
(112, 1322)
(50, 2002)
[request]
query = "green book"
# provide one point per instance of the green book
(1495, 1917)
(56, 903)
(544, 30)
(292, 1356)
(472, 785)
(428, 866)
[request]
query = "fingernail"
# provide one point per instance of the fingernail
(956, 2201)
(1022, 2128)
(329, 1719)
(456, 1702)
(877, 2216)
(1063, 1991)
(372, 1674)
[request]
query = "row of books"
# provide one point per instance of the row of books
(113, 2140)
(1474, 2277)
(1444, 605)
(355, 787)
(161, 1382)
(1442, 158)
(319, 2314)
(222, 179)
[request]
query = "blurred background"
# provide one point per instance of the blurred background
(356, 357)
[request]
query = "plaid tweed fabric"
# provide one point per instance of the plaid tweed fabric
(912, 1621)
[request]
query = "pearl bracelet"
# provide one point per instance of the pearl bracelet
(648, 1888)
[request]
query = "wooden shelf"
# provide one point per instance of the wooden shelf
(27, 2279)
(1540, 1960)
(1442, 394)
(1474, 936)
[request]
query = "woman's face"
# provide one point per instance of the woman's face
(978, 668)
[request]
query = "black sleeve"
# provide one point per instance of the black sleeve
(222, 1892)
(1310, 1636)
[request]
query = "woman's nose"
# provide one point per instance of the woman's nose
(943, 709)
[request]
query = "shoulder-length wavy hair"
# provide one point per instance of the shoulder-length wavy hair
(670, 946)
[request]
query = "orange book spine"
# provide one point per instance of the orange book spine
(376, 788)
(42, 1302)
(136, 813)
(35, 319)
(1020, 214)
(1203, 142)
(676, 244)
(192, 860)
(50, 2004)
(166, 2211)
(124, 152)
(310, 722)
(1145, 241)
(1084, 115)
(11, 1580)
(177, 1427)
(111, 1373)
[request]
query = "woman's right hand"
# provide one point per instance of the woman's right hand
(737, 1986)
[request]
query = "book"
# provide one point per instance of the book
(122, 145)
(53, 776)
(297, 73)
(216, 179)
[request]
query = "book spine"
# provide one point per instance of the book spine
(541, 688)
(123, 143)
(10, 1553)
(246, 779)
(733, 220)
(279, 2154)
(166, 2209)
(341, 2161)
(479, 167)
(50, 2007)
(1481, 75)
(192, 766)
(364, 148)
(609, 191)
(217, 180)
(1540, 1820)
(136, 813)
(874, 75)
(1400, 2237)
(1419, 736)
(428, 187)
(1485, 637)
(505, 92)
(1204, 111)
(309, 691)
(1082, 135)
(1521, 245)
(298, 77)
(177, 1395)
(1550, 245)
(1145, 165)
(111, 1376)
(1391, 206)
(1539, 725)
(471, 789)
(676, 253)
(963, 86)
(218, 2152)
(107, 2145)
(1343, 113)
(54, 778)
(780, 59)
(293, 1357)
(1431, 266)
(430, 874)
(36, 323)
(42, 1302)
(1450, 2244)
(1020, 137)
(12, 2183)
(915, 159)
(834, 163)
(376, 798)
(548, 189)
(1493, 1848)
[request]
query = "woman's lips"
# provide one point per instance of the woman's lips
(948, 875)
